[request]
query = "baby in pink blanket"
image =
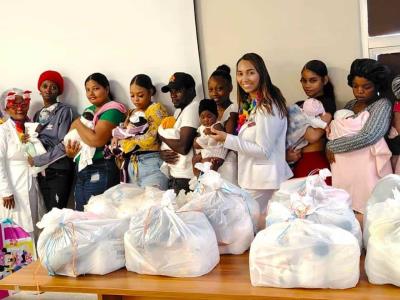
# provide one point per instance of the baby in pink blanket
(346, 124)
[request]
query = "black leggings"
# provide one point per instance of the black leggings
(56, 187)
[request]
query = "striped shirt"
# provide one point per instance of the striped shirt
(374, 129)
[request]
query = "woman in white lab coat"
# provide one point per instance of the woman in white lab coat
(261, 138)
(18, 189)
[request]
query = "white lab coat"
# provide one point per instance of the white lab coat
(261, 148)
(15, 179)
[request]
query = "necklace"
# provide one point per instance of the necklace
(245, 111)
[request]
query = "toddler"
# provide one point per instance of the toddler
(209, 149)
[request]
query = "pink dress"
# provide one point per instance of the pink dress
(374, 161)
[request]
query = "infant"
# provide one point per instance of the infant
(299, 119)
(86, 153)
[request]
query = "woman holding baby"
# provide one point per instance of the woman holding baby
(359, 155)
(316, 84)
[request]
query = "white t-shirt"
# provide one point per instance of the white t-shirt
(233, 108)
(188, 117)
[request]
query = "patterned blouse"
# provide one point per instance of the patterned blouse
(148, 141)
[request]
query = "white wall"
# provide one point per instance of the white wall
(117, 38)
(286, 33)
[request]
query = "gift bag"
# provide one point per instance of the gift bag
(161, 241)
(228, 208)
(123, 200)
(311, 198)
(74, 243)
(302, 254)
(382, 262)
(17, 248)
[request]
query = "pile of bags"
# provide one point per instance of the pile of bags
(232, 212)
(382, 232)
(74, 243)
(312, 238)
(161, 241)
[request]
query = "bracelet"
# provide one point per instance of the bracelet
(396, 106)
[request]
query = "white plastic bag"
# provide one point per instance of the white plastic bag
(305, 255)
(382, 262)
(123, 200)
(73, 243)
(163, 242)
(312, 199)
(227, 207)
(384, 189)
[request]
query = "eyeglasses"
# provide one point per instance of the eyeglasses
(12, 104)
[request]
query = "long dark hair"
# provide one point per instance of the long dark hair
(269, 92)
(328, 99)
(102, 80)
(144, 81)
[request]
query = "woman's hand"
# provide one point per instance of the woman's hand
(24, 138)
(8, 202)
(218, 135)
(330, 156)
(114, 143)
(30, 161)
(72, 148)
(293, 155)
(169, 156)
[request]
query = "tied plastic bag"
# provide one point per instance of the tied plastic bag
(161, 241)
(381, 211)
(382, 262)
(123, 200)
(228, 208)
(17, 248)
(75, 243)
(384, 189)
(305, 255)
(312, 199)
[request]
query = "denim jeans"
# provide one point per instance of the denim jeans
(94, 180)
(148, 171)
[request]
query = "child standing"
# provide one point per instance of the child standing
(209, 149)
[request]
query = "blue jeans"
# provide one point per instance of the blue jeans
(94, 180)
(148, 171)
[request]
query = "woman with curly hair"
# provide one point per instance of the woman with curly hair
(360, 160)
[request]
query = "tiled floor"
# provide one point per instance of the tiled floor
(51, 296)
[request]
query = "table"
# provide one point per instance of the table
(229, 280)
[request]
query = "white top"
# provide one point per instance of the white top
(188, 117)
(233, 108)
(261, 150)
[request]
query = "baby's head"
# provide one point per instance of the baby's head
(313, 107)
(138, 118)
(88, 115)
(208, 112)
(343, 114)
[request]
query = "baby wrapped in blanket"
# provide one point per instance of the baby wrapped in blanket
(302, 118)
(344, 124)
(86, 153)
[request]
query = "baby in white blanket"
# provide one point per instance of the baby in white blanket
(86, 153)
(302, 118)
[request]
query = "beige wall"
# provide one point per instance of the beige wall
(286, 33)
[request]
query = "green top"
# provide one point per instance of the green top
(113, 116)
